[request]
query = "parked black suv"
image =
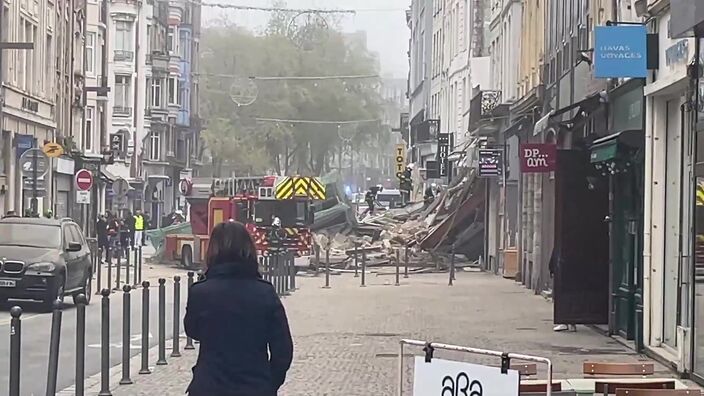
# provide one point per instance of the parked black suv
(43, 259)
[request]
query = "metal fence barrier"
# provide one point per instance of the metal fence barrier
(506, 357)
(117, 260)
(279, 268)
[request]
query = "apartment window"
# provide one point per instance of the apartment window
(88, 138)
(123, 99)
(173, 91)
(154, 146)
(123, 40)
(90, 53)
(4, 36)
(181, 93)
(172, 40)
(49, 64)
(157, 92)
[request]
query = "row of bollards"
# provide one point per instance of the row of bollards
(81, 302)
(279, 268)
(363, 269)
(133, 262)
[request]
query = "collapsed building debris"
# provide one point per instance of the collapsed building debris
(428, 233)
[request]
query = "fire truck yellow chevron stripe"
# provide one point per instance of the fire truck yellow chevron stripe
(301, 186)
(284, 190)
(317, 189)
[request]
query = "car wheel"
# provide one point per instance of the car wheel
(86, 290)
(187, 257)
(56, 294)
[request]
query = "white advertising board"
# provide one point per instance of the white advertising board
(447, 378)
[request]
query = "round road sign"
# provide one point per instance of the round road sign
(34, 162)
(84, 180)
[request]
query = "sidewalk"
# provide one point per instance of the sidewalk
(346, 338)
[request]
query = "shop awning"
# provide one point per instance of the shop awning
(542, 124)
(107, 176)
(607, 148)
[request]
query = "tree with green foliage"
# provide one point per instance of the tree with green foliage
(238, 143)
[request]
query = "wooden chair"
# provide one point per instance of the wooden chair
(610, 369)
(539, 387)
(607, 388)
(658, 392)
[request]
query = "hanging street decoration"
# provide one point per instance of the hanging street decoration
(244, 91)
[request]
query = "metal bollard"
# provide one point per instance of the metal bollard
(54, 343)
(292, 259)
(126, 339)
(189, 340)
(140, 261)
(398, 267)
(99, 272)
(175, 352)
(127, 266)
(285, 274)
(405, 268)
(162, 323)
(316, 247)
(109, 284)
(327, 268)
(364, 268)
(117, 268)
(105, 344)
(145, 329)
(356, 260)
(81, 302)
(452, 266)
(15, 349)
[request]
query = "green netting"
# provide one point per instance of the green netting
(158, 236)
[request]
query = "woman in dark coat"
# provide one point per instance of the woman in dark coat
(245, 341)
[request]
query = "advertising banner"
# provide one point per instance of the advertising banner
(490, 162)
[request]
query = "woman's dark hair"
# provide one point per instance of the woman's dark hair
(231, 244)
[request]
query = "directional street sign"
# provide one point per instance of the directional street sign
(32, 157)
(120, 187)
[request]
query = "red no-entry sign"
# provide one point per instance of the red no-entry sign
(84, 180)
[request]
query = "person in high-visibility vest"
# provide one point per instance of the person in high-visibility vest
(138, 228)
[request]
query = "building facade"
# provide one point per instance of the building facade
(41, 92)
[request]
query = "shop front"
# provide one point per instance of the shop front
(668, 187)
(619, 160)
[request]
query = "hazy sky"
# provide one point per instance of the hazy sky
(383, 20)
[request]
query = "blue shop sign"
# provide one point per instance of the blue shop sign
(23, 143)
(620, 52)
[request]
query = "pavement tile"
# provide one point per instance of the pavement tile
(347, 337)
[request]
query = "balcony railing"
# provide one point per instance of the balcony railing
(121, 111)
(123, 56)
(483, 106)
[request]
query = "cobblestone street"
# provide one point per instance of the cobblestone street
(347, 337)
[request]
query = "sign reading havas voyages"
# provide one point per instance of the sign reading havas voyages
(490, 162)
(447, 378)
(621, 51)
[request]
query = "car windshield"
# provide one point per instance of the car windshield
(30, 235)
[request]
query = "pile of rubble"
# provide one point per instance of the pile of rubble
(428, 234)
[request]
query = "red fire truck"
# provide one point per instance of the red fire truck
(255, 202)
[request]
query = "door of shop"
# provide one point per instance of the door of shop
(581, 257)
(625, 246)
